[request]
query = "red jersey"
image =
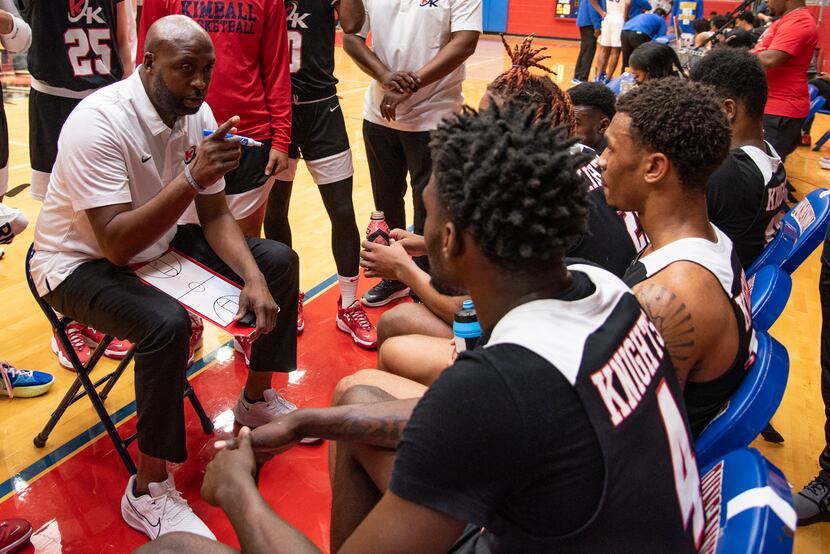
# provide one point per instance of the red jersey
(795, 34)
(251, 77)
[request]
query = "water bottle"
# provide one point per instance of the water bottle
(465, 327)
(627, 82)
(378, 230)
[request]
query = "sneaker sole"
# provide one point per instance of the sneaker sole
(17, 545)
(365, 344)
(818, 518)
(64, 363)
(394, 296)
(31, 392)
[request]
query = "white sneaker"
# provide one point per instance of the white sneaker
(255, 414)
(160, 512)
(824, 162)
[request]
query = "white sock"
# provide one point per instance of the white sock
(348, 290)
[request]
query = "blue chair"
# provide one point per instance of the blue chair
(812, 215)
(816, 103)
(748, 506)
(751, 407)
(779, 249)
(770, 289)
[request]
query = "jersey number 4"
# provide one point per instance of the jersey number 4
(684, 466)
(295, 43)
(80, 42)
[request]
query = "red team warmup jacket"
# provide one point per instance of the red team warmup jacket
(251, 77)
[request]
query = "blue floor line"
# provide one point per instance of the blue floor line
(20, 480)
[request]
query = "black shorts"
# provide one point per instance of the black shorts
(47, 114)
(318, 136)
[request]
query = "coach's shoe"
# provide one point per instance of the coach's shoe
(255, 414)
(300, 318)
(74, 331)
(384, 292)
(812, 504)
(23, 383)
(117, 349)
(14, 535)
(160, 512)
(354, 321)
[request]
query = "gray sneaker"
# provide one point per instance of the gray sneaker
(812, 504)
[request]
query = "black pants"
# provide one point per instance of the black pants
(824, 294)
(783, 133)
(630, 40)
(391, 155)
(587, 49)
(111, 299)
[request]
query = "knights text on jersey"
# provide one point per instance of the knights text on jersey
(311, 25)
(74, 43)
(561, 384)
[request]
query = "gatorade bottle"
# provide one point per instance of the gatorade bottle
(465, 327)
(378, 230)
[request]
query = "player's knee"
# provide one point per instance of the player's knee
(353, 389)
(172, 326)
(278, 261)
(394, 322)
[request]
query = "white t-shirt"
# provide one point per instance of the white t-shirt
(406, 34)
(113, 149)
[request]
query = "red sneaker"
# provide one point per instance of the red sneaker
(75, 333)
(806, 140)
(197, 329)
(354, 321)
(300, 319)
(117, 349)
(14, 535)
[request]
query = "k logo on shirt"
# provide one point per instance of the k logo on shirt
(189, 155)
(429, 3)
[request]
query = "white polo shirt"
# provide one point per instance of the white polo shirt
(406, 34)
(113, 149)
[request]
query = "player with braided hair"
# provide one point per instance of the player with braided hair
(511, 450)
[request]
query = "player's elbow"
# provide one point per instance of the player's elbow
(352, 44)
(351, 25)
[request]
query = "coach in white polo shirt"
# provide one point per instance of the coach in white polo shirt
(131, 159)
(417, 63)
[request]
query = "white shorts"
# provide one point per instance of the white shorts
(324, 171)
(610, 31)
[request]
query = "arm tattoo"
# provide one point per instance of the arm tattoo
(672, 318)
(383, 430)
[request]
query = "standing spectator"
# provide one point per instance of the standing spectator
(638, 7)
(251, 80)
(589, 20)
(77, 48)
(417, 66)
(684, 13)
(609, 38)
(785, 51)
(319, 135)
(641, 29)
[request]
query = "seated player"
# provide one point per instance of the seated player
(420, 349)
(131, 160)
(689, 279)
(745, 196)
(545, 441)
(594, 108)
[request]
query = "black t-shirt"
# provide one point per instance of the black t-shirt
(614, 238)
(509, 440)
(311, 25)
(745, 197)
(74, 44)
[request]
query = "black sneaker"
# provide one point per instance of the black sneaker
(383, 293)
(812, 504)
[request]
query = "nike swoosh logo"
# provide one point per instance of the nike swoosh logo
(334, 109)
(144, 159)
(157, 524)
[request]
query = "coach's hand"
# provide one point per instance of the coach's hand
(216, 155)
(277, 162)
(231, 470)
(389, 103)
(386, 262)
(400, 81)
(412, 243)
(270, 439)
(255, 297)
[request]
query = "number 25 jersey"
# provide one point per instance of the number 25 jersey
(74, 43)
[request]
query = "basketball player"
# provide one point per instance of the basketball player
(417, 67)
(745, 196)
(689, 279)
(251, 80)
(532, 444)
(319, 136)
(594, 108)
(132, 158)
(78, 46)
(610, 43)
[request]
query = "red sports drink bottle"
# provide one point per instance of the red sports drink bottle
(378, 230)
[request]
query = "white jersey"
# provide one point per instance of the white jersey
(615, 8)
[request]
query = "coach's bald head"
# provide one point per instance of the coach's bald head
(177, 66)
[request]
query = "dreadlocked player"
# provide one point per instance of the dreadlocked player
(420, 350)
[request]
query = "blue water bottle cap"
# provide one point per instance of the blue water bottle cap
(467, 305)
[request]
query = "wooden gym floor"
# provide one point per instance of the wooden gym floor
(71, 488)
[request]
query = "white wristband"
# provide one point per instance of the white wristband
(191, 181)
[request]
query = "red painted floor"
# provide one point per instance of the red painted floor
(74, 506)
